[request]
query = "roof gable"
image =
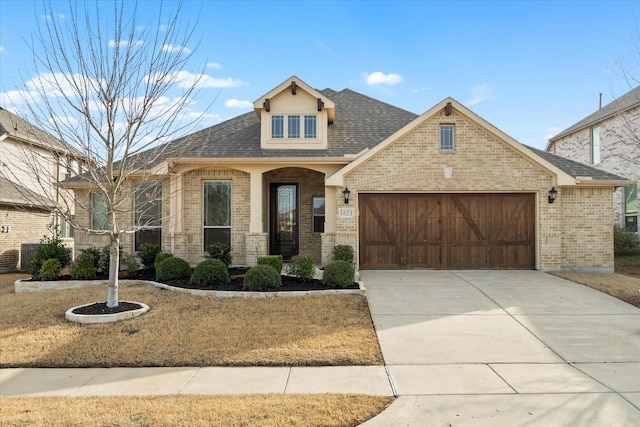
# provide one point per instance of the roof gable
(562, 177)
(627, 101)
(294, 84)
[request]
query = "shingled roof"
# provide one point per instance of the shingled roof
(360, 122)
(619, 105)
(16, 195)
(20, 129)
(576, 169)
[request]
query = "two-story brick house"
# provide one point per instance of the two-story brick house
(309, 169)
(609, 140)
(32, 162)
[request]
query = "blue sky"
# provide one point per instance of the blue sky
(530, 68)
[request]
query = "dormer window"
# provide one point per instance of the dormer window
(294, 116)
(293, 127)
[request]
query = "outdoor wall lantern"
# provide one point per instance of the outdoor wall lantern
(552, 194)
(346, 193)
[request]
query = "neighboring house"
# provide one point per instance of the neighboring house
(609, 140)
(32, 162)
(309, 169)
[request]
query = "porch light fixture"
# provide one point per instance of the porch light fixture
(346, 193)
(552, 194)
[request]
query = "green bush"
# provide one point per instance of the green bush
(83, 270)
(50, 269)
(147, 254)
(50, 247)
(209, 273)
(339, 274)
(274, 261)
(623, 239)
(84, 267)
(103, 259)
(161, 257)
(343, 253)
(261, 278)
(220, 251)
(132, 264)
(301, 266)
(173, 268)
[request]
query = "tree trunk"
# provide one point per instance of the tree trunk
(114, 267)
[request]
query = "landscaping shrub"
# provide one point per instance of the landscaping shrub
(147, 254)
(343, 253)
(102, 266)
(83, 270)
(84, 267)
(161, 257)
(173, 268)
(209, 273)
(301, 266)
(261, 278)
(50, 269)
(50, 247)
(220, 251)
(274, 261)
(132, 264)
(623, 239)
(339, 274)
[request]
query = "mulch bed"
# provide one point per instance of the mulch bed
(101, 308)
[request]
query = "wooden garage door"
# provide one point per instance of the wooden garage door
(447, 231)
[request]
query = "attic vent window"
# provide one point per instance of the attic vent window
(294, 127)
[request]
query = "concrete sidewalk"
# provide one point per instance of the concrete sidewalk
(479, 348)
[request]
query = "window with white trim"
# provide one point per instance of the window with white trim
(293, 127)
(216, 212)
(446, 137)
(631, 207)
(148, 213)
(66, 231)
(595, 145)
(99, 219)
(318, 214)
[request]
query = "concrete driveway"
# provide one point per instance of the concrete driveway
(493, 348)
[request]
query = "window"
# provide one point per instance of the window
(99, 219)
(446, 137)
(318, 214)
(631, 207)
(217, 212)
(294, 127)
(66, 232)
(148, 213)
(310, 126)
(63, 168)
(595, 145)
(277, 126)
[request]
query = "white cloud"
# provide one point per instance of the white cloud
(125, 43)
(422, 89)
(214, 65)
(186, 79)
(551, 132)
(480, 94)
(1, 49)
(380, 78)
(236, 103)
(175, 49)
(55, 15)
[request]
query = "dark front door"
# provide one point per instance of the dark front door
(283, 227)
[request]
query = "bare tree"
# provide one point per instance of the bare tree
(114, 90)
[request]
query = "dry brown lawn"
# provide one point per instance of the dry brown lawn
(623, 287)
(185, 330)
(193, 411)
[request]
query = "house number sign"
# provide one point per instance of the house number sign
(346, 213)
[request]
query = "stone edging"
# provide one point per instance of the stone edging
(105, 318)
(25, 286)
